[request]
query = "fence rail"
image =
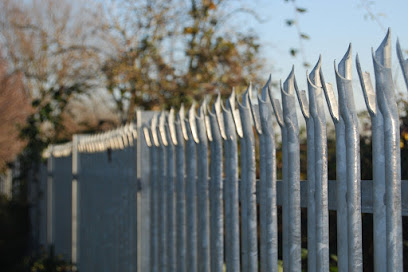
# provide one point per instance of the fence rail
(178, 192)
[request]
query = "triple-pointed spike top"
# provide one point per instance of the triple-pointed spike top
(192, 122)
(289, 82)
(345, 65)
(255, 114)
(314, 76)
(217, 104)
(153, 128)
(162, 130)
(246, 95)
(266, 88)
(330, 98)
(367, 87)
(383, 53)
(218, 107)
(403, 62)
(399, 52)
(147, 136)
(172, 126)
(180, 118)
(230, 105)
(202, 110)
(231, 100)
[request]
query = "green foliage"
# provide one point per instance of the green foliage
(210, 56)
(49, 263)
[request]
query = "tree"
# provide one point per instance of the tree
(169, 52)
(55, 45)
(14, 109)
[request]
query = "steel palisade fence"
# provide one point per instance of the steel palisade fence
(178, 192)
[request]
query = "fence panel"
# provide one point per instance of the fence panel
(180, 193)
(62, 206)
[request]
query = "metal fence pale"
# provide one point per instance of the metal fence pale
(179, 192)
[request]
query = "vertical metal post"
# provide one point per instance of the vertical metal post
(143, 200)
(76, 196)
(348, 113)
(268, 208)
(217, 234)
(279, 118)
(403, 62)
(170, 201)
(50, 197)
(232, 249)
(180, 131)
(341, 176)
(377, 129)
(388, 107)
(242, 196)
(154, 248)
(162, 200)
(293, 171)
(321, 171)
(311, 200)
(249, 182)
(191, 191)
(203, 243)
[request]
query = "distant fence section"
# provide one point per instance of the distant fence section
(179, 191)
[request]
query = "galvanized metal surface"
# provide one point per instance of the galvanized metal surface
(180, 130)
(292, 187)
(249, 183)
(268, 207)
(216, 181)
(231, 191)
(191, 190)
(188, 209)
(349, 115)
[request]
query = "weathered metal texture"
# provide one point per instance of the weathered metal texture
(162, 198)
(292, 155)
(203, 227)
(377, 130)
(316, 110)
(349, 115)
(153, 143)
(262, 174)
(387, 105)
(381, 105)
(185, 222)
(231, 191)
(76, 195)
(318, 239)
(267, 194)
(249, 183)
(191, 139)
(169, 133)
(311, 202)
(403, 62)
(216, 194)
(341, 175)
(242, 190)
(276, 105)
(180, 131)
(154, 233)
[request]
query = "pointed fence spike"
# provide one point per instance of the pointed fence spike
(330, 98)
(255, 115)
(383, 53)
(403, 62)
(172, 127)
(367, 88)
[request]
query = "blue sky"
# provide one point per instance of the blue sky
(331, 25)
